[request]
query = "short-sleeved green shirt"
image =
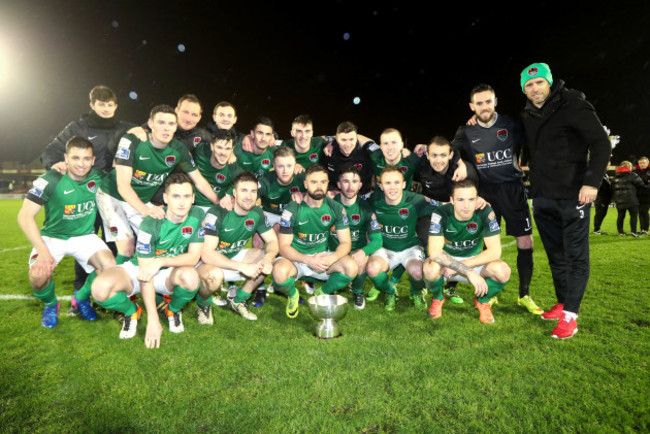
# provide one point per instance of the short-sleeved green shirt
(408, 166)
(276, 196)
(311, 227)
(314, 153)
(151, 165)
(362, 224)
(159, 238)
(257, 164)
(70, 206)
(463, 238)
(219, 179)
(234, 230)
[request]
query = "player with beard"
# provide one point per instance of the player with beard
(493, 145)
(456, 237)
(365, 231)
(224, 256)
(397, 212)
(167, 252)
(303, 239)
(141, 168)
(68, 230)
(260, 160)
(213, 159)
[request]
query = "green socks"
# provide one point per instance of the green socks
(335, 282)
(381, 282)
(119, 303)
(203, 302)
(181, 297)
(46, 295)
(288, 287)
(435, 287)
(494, 288)
(84, 291)
(357, 283)
(241, 296)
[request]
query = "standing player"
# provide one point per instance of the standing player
(303, 239)
(365, 231)
(308, 149)
(141, 168)
(227, 232)
(68, 229)
(397, 213)
(260, 160)
(456, 237)
(493, 145)
(212, 161)
(168, 250)
(569, 151)
(390, 154)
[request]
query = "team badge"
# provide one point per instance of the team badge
(494, 226)
(333, 229)
(170, 160)
(480, 158)
(355, 219)
(471, 227)
(249, 224)
(294, 190)
(143, 247)
(92, 186)
(374, 225)
(113, 231)
(139, 174)
(403, 169)
(187, 231)
(266, 163)
(313, 158)
(502, 135)
(38, 187)
(160, 252)
(32, 258)
(220, 178)
(202, 233)
(358, 166)
(492, 216)
(197, 140)
(70, 209)
(286, 219)
(434, 228)
(403, 213)
(532, 72)
(210, 221)
(326, 219)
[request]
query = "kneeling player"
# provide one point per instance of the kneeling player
(70, 212)
(304, 234)
(166, 253)
(456, 236)
(224, 256)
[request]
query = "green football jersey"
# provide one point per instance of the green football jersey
(399, 222)
(70, 206)
(313, 154)
(151, 165)
(257, 164)
(234, 230)
(361, 221)
(219, 179)
(463, 238)
(408, 166)
(311, 226)
(276, 196)
(158, 238)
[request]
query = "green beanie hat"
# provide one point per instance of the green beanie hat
(536, 70)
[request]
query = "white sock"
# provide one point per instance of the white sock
(570, 314)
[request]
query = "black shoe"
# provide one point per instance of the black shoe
(260, 298)
(634, 234)
(600, 233)
(359, 301)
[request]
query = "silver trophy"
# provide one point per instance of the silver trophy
(328, 309)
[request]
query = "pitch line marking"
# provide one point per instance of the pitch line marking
(15, 248)
(30, 297)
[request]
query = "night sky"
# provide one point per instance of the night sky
(412, 69)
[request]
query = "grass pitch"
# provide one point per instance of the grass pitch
(389, 372)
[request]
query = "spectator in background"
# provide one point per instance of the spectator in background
(601, 204)
(643, 195)
(624, 194)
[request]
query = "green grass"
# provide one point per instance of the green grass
(389, 372)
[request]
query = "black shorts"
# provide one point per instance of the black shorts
(508, 200)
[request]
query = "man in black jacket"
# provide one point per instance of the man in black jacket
(644, 195)
(569, 151)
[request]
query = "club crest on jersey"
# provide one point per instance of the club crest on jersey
(471, 227)
(220, 178)
(492, 216)
(355, 219)
(313, 158)
(266, 163)
(403, 213)
(170, 160)
(249, 224)
(187, 231)
(294, 190)
(358, 166)
(92, 186)
(403, 169)
(502, 135)
(326, 219)
(480, 158)
(32, 258)
(532, 72)
(197, 140)
(113, 230)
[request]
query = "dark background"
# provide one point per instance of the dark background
(411, 64)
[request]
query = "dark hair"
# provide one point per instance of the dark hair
(102, 93)
(263, 120)
(244, 176)
(346, 127)
(79, 142)
(465, 183)
(302, 119)
(191, 98)
(349, 168)
(178, 178)
(315, 168)
(220, 135)
(224, 104)
(480, 88)
(161, 108)
(438, 140)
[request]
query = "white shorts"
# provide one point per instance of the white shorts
(305, 271)
(272, 219)
(400, 258)
(158, 280)
(121, 220)
(80, 248)
(461, 278)
(232, 275)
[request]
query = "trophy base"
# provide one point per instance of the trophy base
(326, 329)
